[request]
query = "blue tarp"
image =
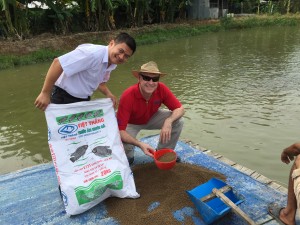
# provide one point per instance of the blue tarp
(31, 196)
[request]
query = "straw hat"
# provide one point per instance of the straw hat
(149, 67)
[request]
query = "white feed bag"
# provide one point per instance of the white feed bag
(88, 154)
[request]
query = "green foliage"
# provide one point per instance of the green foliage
(61, 13)
(66, 16)
(42, 55)
(13, 21)
(160, 35)
(259, 21)
(270, 8)
(227, 22)
(6, 62)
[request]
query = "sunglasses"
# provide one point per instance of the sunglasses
(146, 78)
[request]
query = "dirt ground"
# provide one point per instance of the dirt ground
(68, 42)
(163, 195)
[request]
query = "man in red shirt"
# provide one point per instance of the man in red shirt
(139, 109)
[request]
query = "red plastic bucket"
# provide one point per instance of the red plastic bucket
(165, 158)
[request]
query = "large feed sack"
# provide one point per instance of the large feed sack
(88, 154)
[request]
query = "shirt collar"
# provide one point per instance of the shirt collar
(105, 60)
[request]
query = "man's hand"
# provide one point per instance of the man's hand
(146, 149)
(166, 130)
(165, 133)
(114, 100)
(127, 138)
(54, 72)
(290, 152)
(42, 101)
(104, 89)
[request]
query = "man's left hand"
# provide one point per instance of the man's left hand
(165, 133)
(114, 100)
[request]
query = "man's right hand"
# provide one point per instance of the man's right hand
(147, 149)
(42, 101)
(54, 72)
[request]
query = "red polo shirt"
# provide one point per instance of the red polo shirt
(134, 109)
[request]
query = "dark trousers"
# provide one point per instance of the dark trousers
(60, 96)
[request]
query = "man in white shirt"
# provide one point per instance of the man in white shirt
(74, 77)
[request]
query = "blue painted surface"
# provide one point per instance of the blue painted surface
(153, 206)
(31, 196)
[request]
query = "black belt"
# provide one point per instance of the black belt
(60, 96)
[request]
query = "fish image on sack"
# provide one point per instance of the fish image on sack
(98, 113)
(62, 120)
(73, 118)
(102, 151)
(92, 195)
(80, 116)
(78, 153)
(118, 184)
(89, 115)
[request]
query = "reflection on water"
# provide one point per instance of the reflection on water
(240, 90)
(22, 141)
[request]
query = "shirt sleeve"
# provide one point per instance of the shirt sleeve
(169, 99)
(78, 60)
(124, 110)
(106, 76)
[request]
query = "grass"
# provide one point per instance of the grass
(156, 34)
(160, 35)
(260, 21)
(42, 55)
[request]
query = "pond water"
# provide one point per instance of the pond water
(240, 90)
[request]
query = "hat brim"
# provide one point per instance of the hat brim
(136, 73)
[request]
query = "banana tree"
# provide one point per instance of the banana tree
(104, 12)
(6, 25)
(124, 6)
(60, 12)
(85, 13)
(13, 22)
(141, 8)
(288, 6)
(182, 7)
(99, 14)
(171, 9)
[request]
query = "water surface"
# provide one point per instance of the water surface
(240, 90)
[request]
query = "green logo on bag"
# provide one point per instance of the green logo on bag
(77, 117)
